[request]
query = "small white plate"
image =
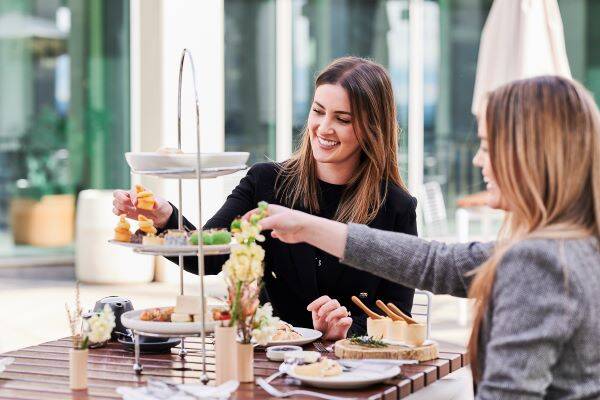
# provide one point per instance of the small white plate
(308, 336)
(131, 320)
(215, 249)
(349, 380)
(151, 161)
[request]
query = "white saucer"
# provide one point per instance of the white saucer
(308, 336)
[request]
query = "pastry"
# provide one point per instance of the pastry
(285, 332)
(157, 314)
(175, 237)
(152, 240)
(322, 369)
(169, 150)
(212, 237)
(122, 233)
(176, 317)
(146, 226)
(145, 198)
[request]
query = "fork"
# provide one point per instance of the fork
(321, 347)
(278, 393)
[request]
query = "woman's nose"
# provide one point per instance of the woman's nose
(477, 159)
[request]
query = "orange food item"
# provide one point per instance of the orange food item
(146, 225)
(122, 233)
(145, 198)
(157, 314)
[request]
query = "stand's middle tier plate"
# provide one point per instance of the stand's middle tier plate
(190, 173)
(131, 320)
(165, 250)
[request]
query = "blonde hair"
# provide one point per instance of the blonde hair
(544, 143)
(372, 104)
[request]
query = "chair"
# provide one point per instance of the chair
(433, 209)
(421, 309)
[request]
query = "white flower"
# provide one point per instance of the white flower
(263, 335)
(101, 325)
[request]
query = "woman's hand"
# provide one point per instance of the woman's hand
(286, 224)
(291, 226)
(124, 202)
(330, 317)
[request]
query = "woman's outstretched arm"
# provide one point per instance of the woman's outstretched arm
(405, 259)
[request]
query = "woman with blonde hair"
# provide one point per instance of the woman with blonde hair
(346, 170)
(536, 332)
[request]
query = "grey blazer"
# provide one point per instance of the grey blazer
(540, 338)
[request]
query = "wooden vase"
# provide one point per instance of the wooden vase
(78, 369)
(245, 362)
(225, 354)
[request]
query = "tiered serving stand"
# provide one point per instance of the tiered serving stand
(186, 329)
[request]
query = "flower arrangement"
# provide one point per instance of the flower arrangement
(95, 329)
(243, 274)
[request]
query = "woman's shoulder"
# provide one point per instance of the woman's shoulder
(550, 261)
(265, 171)
(399, 199)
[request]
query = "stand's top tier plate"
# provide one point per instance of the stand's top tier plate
(183, 165)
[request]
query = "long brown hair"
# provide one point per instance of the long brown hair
(372, 104)
(544, 144)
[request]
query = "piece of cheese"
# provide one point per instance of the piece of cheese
(415, 334)
(188, 305)
(396, 330)
(378, 328)
(176, 317)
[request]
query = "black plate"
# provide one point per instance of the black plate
(150, 344)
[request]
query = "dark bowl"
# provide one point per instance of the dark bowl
(150, 344)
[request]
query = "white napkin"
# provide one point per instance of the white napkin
(159, 390)
(5, 362)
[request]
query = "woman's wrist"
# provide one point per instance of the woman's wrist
(325, 234)
(164, 212)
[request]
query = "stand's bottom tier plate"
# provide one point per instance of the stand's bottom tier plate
(131, 320)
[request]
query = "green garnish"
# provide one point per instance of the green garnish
(368, 341)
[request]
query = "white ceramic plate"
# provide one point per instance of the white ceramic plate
(216, 249)
(156, 161)
(308, 336)
(131, 320)
(349, 380)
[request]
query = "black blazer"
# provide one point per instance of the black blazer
(290, 281)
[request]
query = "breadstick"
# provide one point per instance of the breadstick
(389, 313)
(396, 310)
(366, 309)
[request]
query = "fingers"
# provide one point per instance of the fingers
(328, 307)
(338, 329)
(338, 313)
(249, 213)
(316, 304)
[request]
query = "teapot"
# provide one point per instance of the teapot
(119, 306)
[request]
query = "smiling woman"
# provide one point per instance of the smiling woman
(345, 169)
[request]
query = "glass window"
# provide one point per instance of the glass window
(250, 78)
(64, 115)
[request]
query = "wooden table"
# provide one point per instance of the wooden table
(42, 372)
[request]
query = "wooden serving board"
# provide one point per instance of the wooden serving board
(345, 349)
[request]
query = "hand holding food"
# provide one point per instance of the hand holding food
(124, 202)
(330, 317)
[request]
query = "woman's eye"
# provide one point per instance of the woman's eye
(344, 121)
(317, 111)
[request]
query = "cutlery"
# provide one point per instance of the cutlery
(321, 348)
(278, 393)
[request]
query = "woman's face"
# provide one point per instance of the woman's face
(482, 160)
(332, 136)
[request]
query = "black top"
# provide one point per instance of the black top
(297, 274)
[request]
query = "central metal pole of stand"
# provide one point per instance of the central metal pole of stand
(182, 350)
(204, 377)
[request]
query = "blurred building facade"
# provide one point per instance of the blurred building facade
(83, 81)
